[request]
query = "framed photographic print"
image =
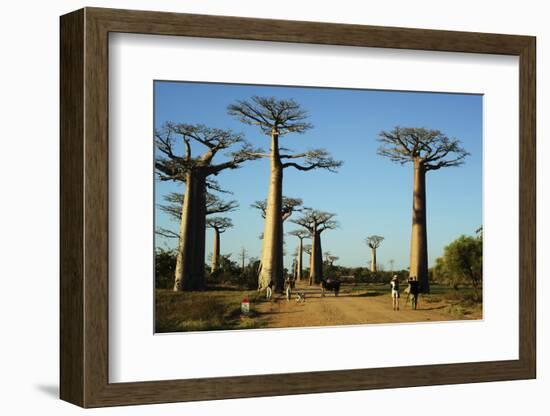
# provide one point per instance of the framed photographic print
(255, 207)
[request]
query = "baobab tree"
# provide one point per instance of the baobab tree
(219, 225)
(301, 234)
(277, 118)
(391, 262)
(243, 254)
(427, 150)
(373, 241)
(289, 206)
(316, 222)
(309, 250)
(194, 171)
(331, 259)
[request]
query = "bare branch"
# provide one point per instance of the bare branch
(259, 154)
(245, 153)
(296, 156)
(214, 205)
(164, 232)
(215, 186)
(314, 159)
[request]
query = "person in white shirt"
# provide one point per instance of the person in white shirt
(394, 283)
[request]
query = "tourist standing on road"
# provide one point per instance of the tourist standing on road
(414, 289)
(269, 290)
(394, 283)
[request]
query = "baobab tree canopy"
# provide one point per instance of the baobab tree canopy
(173, 166)
(290, 205)
(301, 234)
(269, 113)
(316, 221)
(374, 241)
(331, 258)
(432, 148)
(221, 224)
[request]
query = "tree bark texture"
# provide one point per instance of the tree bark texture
(316, 274)
(299, 260)
(272, 258)
(189, 272)
(215, 251)
(419, 239)
(373, 265)
(311, 266)
(279, 278)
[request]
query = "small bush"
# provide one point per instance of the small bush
(165, 264)
(431, 299)
(457, 311)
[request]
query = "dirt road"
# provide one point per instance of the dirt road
(350, 307)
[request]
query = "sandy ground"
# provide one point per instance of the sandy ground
(348, 308)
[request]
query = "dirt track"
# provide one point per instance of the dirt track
(348, 308)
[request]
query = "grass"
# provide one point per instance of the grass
(367, 289)
(205, 311)
(459, 303)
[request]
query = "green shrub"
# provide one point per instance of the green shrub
(165, 264)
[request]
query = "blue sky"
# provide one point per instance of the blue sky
(370, 194)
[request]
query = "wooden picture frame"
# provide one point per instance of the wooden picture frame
(84, 207)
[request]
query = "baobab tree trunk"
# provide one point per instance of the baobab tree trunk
(215, 251)
(299, 261)
(279, 279)
(189, 272)
(373, 265)
(272, 265)
(419, 238)
(310, 277)
(316, 273)
(197, 276)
